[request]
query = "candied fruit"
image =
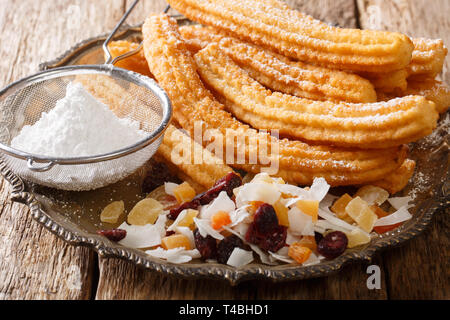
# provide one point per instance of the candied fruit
(309, 207)
(339, 208)
(188, 220)
(176, 241)
(112, 212)
(378, 211)
(299, 252)
(359, 211)
(282, 213)
(383, 229)
(356, 237)
(145, 212)
(207, 246)
(372, 194)
(220, 219)
(184, 192)
(332, 245)
(309, 242)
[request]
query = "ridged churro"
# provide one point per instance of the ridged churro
(299, 36)
(281, 74)
(135, 62)
(388, 82)
(427, 59)
(396, 181)
(376, 125)
(432, 90)
(175, 69)
(204, 173)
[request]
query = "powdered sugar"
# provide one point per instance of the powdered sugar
(79, 125)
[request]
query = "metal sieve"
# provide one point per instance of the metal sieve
(128, 94)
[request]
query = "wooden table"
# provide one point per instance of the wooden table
(34, 264)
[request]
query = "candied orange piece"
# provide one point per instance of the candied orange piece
(254, 205)
(383, 229)
(299, 253)
(309, 242)
(184, 192)
(176, 241)
(112, 212)
(282, 213)
(378, 211)
(339, 207)
(309, 207)
(144, 212)
(220, 219)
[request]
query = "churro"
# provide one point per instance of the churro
(396, 181)
(281, 74)
(299, 36)
(376, 125)
(176, 71)
(427, 59)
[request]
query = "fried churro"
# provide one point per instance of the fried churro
(281, 74)
(376, 125)
(176, 71)
(299, 36)
(396, 181)
(427, 59)
(135, 62)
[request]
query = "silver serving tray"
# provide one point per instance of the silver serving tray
(74, 216)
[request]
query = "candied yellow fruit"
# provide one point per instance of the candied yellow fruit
(309, 207)
(360, 211)
(112, 212)
(184, 192)
(176, 241)
(220, 219)
(282, 213)
(378, 211)
(299, 253)
(144, 212)
(309, 242)
(339, 208)
(356, 238)
(372, 194)
(188, 219)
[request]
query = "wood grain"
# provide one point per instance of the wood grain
(34, 264)
(425, 259)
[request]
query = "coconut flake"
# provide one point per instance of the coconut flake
(239, 215)
(300, 223)
(291, 238)
(175, 255)
(143, 236)
(293, 191)
(221, 203)
(240, 257)
(326, 225)
(398, 216)
(334, 220)
(177, 221)
(327, 201)
(188, 233)
(241, 228)
(205, 229)
(312, 260)
(169, 187)
(398, 202)
(264, 192)
(282, 255)
(319, 189)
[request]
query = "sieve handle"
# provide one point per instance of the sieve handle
(108, 57)
(30, 165)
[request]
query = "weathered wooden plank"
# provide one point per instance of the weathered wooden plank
(418, 18)
(34, 263)
(139, 284)
(419, 269)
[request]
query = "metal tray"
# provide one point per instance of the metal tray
(74, 216)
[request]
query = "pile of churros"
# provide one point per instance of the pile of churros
(344, 101)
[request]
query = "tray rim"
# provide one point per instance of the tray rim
(105, 248)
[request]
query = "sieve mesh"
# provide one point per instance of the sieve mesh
(128, 95)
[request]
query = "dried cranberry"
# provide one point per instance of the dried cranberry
(317, 236)
(113, 234)
(207, 246)
(227, 184)
(226, 247)
(156, 176)
(333, 244)
(265, 219)
(272, 241)
(169, 233)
